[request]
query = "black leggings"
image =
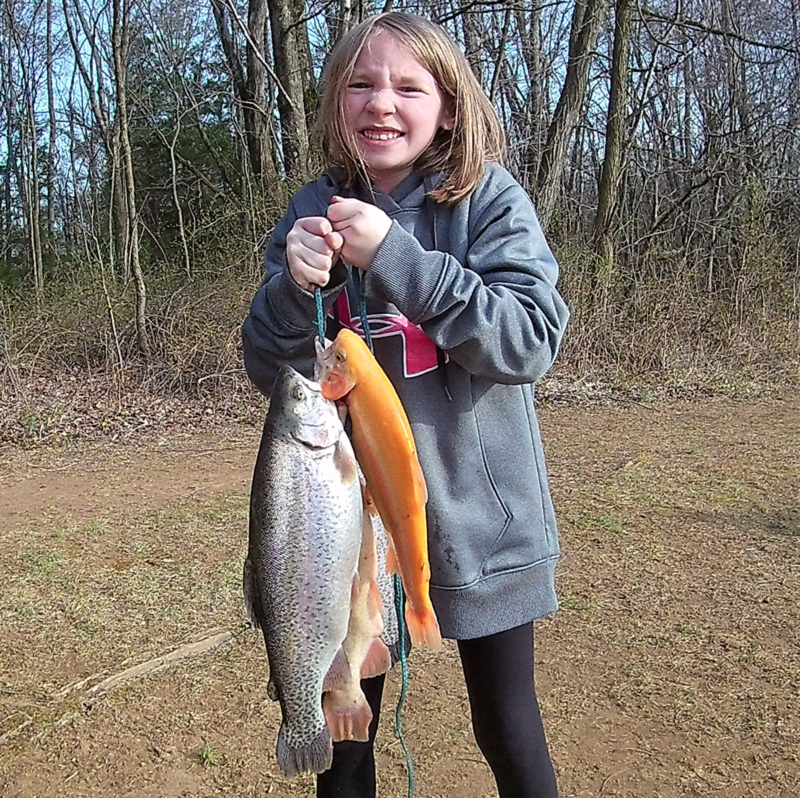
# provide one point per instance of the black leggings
(498, 670)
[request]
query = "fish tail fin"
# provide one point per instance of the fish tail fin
(423, 628)
(347, 714)
(315, 757)
(377, 661)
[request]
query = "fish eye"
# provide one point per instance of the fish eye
(298, 393)
(341, 355)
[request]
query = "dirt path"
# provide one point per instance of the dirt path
(673, 668)
(84, 481)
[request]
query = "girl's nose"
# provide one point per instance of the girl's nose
(380, 102)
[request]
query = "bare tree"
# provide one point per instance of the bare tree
(293, 71)
(53, 124)
(249, 87)
(586, 20)
(608, 195)
(24, 36)
(120, 38)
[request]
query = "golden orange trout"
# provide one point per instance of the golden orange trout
(385, 449)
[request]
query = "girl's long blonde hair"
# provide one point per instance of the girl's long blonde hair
(460, 153)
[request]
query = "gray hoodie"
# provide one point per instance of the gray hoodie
(465, 317)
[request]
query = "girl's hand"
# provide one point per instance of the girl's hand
(312, 247)
(362, 227)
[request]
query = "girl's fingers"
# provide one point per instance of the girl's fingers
(316, 225)
(342, 209)
(318, 244)
(307, 276)
(316, 260)
(335, 241)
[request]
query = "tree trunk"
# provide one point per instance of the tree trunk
(611, 173)
(119, 219)
(249, 89)
(530, 38)
(29, 156)
(291, 66)
(473, 38)
(34, 207)
(119, 42)
(586, 21)
(51, 155)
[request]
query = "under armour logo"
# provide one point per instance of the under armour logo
(419, 352)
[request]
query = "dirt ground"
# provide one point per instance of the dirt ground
(672, 668)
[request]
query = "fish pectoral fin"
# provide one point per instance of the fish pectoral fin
(392, 564)
(252, 597)
(377, 661)
(369, 502)
(338, 675)
(272, 690)
(345, 464)
(355, 590)
(420, 486)
(375, 604)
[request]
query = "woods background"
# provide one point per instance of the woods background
(147, 147)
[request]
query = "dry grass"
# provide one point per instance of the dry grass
(93, 599)
(673, 668)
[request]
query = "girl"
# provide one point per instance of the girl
(465, 317)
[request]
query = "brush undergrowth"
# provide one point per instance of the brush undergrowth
(69, 363)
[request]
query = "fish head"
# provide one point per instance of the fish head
(335, 366)
(304, 412)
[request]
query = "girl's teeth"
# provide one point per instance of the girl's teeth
(371, 134)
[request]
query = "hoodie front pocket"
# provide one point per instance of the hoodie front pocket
(465, 513)
(508, 446)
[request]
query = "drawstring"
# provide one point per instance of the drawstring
(441, 358)
(320, 316)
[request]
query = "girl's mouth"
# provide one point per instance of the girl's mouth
(381, 135)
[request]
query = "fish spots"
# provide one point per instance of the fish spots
(304, 542)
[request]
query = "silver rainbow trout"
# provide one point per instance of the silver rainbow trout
(305, 538)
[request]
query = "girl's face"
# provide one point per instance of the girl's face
(393, 108)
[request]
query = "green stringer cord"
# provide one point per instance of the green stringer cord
(399, 598)
(320, 316)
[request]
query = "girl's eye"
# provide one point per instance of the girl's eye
(358, 85)
(410, 89)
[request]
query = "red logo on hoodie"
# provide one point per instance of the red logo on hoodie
(419, 352)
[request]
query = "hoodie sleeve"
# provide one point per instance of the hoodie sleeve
(498, 315)
(281, 325)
